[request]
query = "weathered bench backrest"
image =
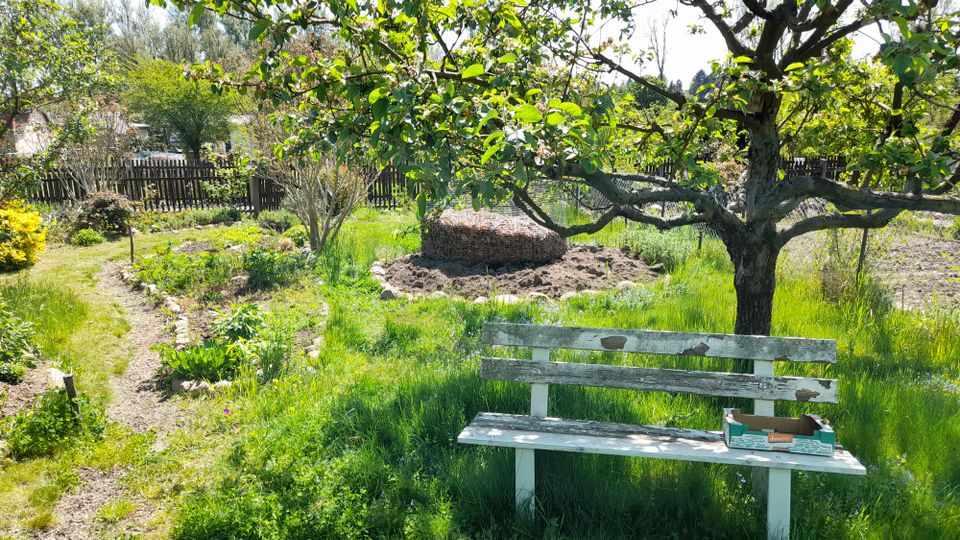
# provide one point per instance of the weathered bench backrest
(762, 386)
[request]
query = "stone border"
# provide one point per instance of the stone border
(181, 340)
(389, 291)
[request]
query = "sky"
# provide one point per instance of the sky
(687, 53)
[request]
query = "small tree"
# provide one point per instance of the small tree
(51, 63)
(160, 94)
(96, 163)
(322, 192)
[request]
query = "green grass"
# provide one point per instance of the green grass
(361, 441)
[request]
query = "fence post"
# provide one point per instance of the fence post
(253, 190)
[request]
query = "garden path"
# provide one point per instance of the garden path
(139, 403)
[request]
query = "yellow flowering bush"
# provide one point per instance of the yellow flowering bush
(22, 237)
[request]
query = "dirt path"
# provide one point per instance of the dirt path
(139, 402)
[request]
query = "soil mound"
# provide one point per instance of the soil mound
(580, 268)
(486, 237)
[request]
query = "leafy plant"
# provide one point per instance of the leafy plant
(210, 360)
(268, 269)
(22, 237)
(86, 237)
(185, 272)
(55, 425)
(105, 211)
(242, 322)
(299, 235)
(277, 220)
(17, 349)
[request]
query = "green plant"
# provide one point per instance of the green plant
(105, 211)
(277, 220)
(185, 272)
(242, 322)
(210, 361)
(17, 348)
(164, 221)
(299, 235)
(54, 425)
(669, 249)
(22, 237)
(86, 237)
(268, 269)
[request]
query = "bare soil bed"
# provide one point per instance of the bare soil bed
(581, 268)
(922, 271)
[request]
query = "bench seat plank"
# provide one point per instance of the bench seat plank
(525, 432)
(658, 342)
(712, 383)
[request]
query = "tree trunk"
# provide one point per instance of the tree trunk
(755, 269)
(754, 259)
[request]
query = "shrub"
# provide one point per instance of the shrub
(55, 425)
(277, 220)
(242, 322)
(86, 237)
(268, 269)
(210, 360)
(22, 237)
(669, 248)
(105, 211)
(17, 350)
(299, 235)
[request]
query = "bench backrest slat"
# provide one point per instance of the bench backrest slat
(742, 385)
(657, 342)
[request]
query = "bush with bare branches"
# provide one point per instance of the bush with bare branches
(322, 192)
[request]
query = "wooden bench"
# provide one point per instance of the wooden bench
(540, 432)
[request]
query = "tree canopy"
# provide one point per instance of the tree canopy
(493, 97)
(158, 93)
(51, 64)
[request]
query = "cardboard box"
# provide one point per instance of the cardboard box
(808, 434)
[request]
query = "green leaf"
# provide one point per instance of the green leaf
(528, 113)
(258, 28)
(793, 66)
(508, 58)
(571, 108)
(376, 94)
(472, 71)
(555, 119)
(196, 13)
(490, 152)
(743, 60)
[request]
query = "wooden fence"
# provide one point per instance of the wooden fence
(168, 185)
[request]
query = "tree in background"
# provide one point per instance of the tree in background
(520, 101)
(700, 79)
(161, 96)
(51, 64)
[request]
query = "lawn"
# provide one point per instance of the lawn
(359, 439)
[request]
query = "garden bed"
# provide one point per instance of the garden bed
(581, 268)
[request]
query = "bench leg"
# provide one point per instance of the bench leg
(778, 504)
(525, 476)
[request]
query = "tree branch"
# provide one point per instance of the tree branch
(875, 220)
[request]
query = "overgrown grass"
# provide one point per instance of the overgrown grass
(361, 441)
